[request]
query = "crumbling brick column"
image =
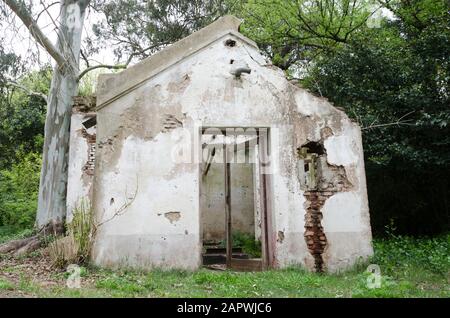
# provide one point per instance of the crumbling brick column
(315, 237)
(320, 181)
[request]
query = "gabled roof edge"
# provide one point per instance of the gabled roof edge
(112, 86)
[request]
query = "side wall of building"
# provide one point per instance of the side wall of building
(81, 161)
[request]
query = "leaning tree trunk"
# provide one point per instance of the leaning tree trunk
(53, 183)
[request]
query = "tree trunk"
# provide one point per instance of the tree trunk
(53, 183)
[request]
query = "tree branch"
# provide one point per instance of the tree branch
(45, 9)
(398, 122)
(119, 66)
(84, 57)
(22, 12)
(91, 68)
(26, 89)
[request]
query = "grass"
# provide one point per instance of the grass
(292, 282)
(6, 285)
(8, 233)
(409, 268)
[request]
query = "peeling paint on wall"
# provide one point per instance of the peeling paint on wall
(280, 238)
(172, 216)
(143, 111)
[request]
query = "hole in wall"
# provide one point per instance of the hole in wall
(320, 181)
(314, 147)
(230, 43)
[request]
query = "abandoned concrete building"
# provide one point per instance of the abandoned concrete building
(200, 147)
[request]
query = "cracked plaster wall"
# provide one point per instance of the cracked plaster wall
(135, 146)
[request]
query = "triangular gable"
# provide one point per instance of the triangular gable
(112, 86)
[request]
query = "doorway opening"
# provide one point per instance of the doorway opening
(234, 198)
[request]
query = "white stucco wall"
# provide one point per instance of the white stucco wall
(161, 225)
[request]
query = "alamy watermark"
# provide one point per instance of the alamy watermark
(74, 279)
(374, 278)
(234, 145)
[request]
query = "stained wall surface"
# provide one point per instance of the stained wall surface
(147, 174)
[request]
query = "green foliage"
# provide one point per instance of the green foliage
(87, 84)
(247, 243)
(144, 27)
(10, 65)
(22, 118)
(19, 191)
(81, 227)
(75, 247)
(409, 268)
(293, 31)
(6, 285)
(129, 284)
(397, 253)
(9, 233)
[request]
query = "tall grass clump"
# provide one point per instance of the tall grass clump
(75, 247)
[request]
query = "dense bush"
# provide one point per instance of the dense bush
(22, 118)
(18, 192)
(396, 253)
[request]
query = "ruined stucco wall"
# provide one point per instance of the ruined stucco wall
(341, 194)
(140, 131)
(81, 159)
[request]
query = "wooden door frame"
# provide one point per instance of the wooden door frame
(267, 244)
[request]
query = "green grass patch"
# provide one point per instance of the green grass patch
(409, 268)
(8, 233)
(6, 285)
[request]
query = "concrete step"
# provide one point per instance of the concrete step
(222, 250)
(246, 265)
(211, 243)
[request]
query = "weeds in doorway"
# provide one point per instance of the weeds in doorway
(248, 244)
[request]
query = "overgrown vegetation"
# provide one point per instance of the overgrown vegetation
(248, 244)
(392, 78)
(8, 233)
(18, 192)
(391, 73)
(22, 119)
(75, 247)
(408, 269)
(397, 254)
